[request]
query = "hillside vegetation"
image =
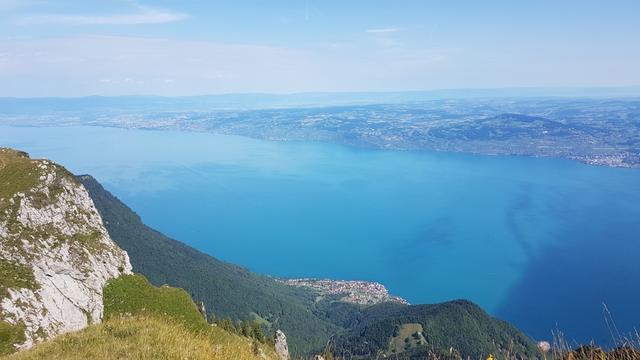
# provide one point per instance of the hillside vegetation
(146, 322)
(384, 330)
(363, 331)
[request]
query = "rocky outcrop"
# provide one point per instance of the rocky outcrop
(282, 349)
(55, 254)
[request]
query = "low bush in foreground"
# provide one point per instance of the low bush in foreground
(134, 295)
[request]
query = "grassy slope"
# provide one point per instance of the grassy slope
(17, 172)
(146, 322)
(226, 289)
(143, 337)
(407, 336)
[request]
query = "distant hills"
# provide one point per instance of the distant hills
(416, 332)
(594, 126)
(251, 101)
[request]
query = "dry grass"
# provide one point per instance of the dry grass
(146, 338)
(626, 348)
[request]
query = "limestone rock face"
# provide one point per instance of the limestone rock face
(55, 253)
(282, 349)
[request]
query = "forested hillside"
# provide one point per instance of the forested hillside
(412, 332)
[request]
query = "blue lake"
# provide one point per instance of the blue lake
(540, 242)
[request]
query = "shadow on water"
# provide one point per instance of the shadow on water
(437, 232)
(520, 210)
(588, 262)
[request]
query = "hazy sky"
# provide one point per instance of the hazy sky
(177, 47)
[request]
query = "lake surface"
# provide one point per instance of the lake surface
(540, 242)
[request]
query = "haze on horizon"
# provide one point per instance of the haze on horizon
(170, 47)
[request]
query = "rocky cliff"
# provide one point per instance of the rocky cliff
(55, 254)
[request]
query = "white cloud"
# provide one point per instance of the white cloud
(121, 65)
(134, 65)
(144, 15)
(382, 30)
(11, 5)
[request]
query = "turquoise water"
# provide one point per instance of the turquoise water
(540, 242)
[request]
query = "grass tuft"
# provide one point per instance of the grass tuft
(9, 335)
(15, 276)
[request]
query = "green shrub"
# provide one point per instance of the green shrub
(9, 335)
(134, 295)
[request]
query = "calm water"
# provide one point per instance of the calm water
(540, 242)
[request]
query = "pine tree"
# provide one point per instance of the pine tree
(246, 329)
(227, 325)
(213, 319)
(271, 340)
(255, 347)
(256, 331)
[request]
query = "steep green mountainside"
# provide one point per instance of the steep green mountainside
(226, 289)
(411, 332)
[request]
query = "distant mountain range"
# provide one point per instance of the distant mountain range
(594, 126)
(311, 99)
